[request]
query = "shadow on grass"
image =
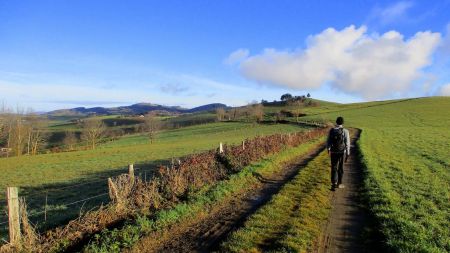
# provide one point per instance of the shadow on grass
(52, 205)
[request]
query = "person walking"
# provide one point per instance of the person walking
(338, 145)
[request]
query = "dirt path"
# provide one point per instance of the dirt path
(205, 232)
(347, 219)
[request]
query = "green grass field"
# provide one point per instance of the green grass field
(58, 176)
(404, 143)
(61, 167)
(406, 151)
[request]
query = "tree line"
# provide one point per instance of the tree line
(21, 131)
(24, 132)
(253, 112)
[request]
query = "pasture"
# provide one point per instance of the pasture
(405, 147)
(67, 177)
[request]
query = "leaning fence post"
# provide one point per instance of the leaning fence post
(112, 190)
(12, 195)
(131, 172)
(221, 148)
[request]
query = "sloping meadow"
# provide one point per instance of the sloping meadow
(405, 151)
(131, 196)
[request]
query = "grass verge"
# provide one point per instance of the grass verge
(203, 201)
(292, 220)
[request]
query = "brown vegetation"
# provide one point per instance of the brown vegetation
(93, 131)
(20, 131)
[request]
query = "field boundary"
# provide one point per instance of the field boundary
(170, 186)
(245, 193)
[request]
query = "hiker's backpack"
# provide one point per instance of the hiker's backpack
(337, 140)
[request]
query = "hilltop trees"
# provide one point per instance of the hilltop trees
(286, 97)
(93, 130)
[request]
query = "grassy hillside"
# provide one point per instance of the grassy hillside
(64, 178)
(60, 167)
(406, 150)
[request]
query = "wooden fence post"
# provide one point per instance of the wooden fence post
(243, 145)
(131, 172)
(112, 190)
(221, 148)
(12, 195)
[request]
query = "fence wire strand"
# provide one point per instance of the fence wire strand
(43, 191)
(69, 204)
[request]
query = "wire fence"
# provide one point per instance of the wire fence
(51, 207)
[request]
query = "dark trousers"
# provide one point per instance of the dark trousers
(337, 167)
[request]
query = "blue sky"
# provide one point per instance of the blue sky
(59, 54)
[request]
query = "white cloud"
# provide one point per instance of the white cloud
(445, 90)
(392, 13)
(350, 60)
(237, 56)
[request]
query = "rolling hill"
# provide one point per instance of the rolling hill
(140, 108)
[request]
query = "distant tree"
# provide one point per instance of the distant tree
(93, 130)
(257, 112)
(234, 113)
(220, 113)
(151, 126)
(36, 135)
(286, 97)
(17, 132)
(70, 140)
(296, 111)
(308, 95)
(7, 123)
(264, 102)
(4, 113)
(279, 116)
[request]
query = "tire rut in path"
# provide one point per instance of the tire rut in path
(347, 220)
(206, 232)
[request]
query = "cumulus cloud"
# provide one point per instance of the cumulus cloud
(445, 90)
(350, 60)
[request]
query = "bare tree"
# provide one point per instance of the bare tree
(220, 113)
(19, 131)
(93, 130)
(279, 116)
(6, 128)
(255, 112)
(70, 140)
(234, 113)
(17, 138)
(258, 112)
(35, 126)
(151, 126)
(297, 111)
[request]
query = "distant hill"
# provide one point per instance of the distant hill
(140, 108)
